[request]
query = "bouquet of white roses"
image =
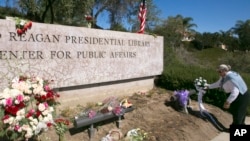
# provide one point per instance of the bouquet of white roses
(200, 82)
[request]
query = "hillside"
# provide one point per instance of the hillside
(154, 114)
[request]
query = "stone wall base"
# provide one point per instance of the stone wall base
(81, 95)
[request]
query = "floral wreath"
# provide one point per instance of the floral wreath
(27, 107)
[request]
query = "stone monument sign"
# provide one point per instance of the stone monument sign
(76, 57)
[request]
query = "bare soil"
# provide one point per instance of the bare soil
(153, 113)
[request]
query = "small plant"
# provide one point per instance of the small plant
(61, 126)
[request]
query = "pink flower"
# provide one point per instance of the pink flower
(46, 105)
(20, 98)
(118, 110)
(31, 111)
(9, 101)
(92, 114)
(17, 127)
(47, 88)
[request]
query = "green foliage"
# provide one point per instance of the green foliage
(180, 72)
(7, 11)
(118, 27)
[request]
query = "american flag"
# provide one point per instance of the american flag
(142, 16)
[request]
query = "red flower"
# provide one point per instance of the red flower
(12, 110)
(31, 112)
(5, 117)
(63, 121)
(38, 113)
(19, 31)
(21, 105)
(29, 24)
(49, 124)
(88, 18)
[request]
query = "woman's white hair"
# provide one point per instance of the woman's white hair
(224, 67)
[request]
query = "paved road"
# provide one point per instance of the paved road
(225, 136)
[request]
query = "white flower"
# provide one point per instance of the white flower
(19, 118)
(40, 118)
(40, 126)
(41, 107)
(51, 109)
(15, 80)
(21, 112)
(39, 90)
(34, 127)
(14, 92)
(25, 127)
(45, 112)
(50, 117)
(26, 98)
(35, 121)
(11, 120)
(22, 22)
(46, 119)
(29, 133)
(3, 102)
(16, 102)
(200, 82)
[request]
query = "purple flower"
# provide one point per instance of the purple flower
(182, 96)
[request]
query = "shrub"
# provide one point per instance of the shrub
(179, 76)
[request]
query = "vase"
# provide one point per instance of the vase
(61, 137)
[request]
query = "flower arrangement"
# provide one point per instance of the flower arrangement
(182, 96)
(118, 111)
(22, 25)
(61, 126)
(125, 103)
(109, 105)
(200, 82)
(137, 135)
(89, 20)
(91, 114)
(27, 107)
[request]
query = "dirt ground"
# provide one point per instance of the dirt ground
(153, 113)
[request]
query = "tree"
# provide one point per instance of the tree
(187, 27)
(122, 14)
(242, 30)
(69, 12)
(125, 13)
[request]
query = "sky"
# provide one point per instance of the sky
(209, 15)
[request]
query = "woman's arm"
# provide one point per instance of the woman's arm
(215, 85)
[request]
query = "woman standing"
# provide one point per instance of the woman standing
(239, 97)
